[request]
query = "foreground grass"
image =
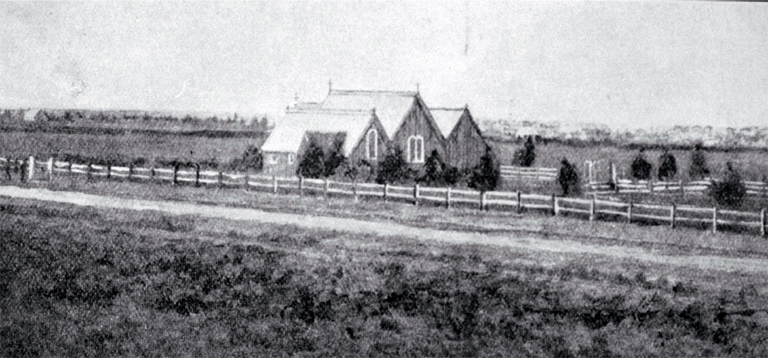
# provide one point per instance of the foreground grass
(86, 282)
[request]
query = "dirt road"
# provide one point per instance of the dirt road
(516, 241)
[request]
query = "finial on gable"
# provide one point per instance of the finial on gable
(417, 87)
(373, 111)
(330, 85)
(466, 106)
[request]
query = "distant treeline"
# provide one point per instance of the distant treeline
(80, 116)
(207, 133)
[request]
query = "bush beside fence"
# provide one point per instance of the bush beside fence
(592, 209)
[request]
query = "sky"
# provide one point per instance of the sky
(624, 64)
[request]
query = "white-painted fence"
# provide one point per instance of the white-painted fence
(592, 209)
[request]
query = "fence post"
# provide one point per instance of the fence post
(650, 185)
(221, 179)
(354, 189)
(592, 209)
(714, 220)
(175, 174)
(247, 187)
(31, 168)
(130, 171)
(151, 173)
(326, 185)
(274, 184)
(762, 222)
(482, 201)
(682, 188)
(415, 194)
(519, 202)
(69, 167)
(301, 185)
(386, 191)
(672, 215)
(629, 213)
(448, 198)
(197, 175)
(554, 205)
(88, 172)
(8, 169)
(109, 171)
(49, 166)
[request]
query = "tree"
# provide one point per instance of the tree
(525, 156)
(334, 158)
(568, 177)
(434, 169)
(312, 164)
(485, 176)
(698, 169)
(730, 191)
(667, 166)
(641, 169)
(393, 168)
(252, 159)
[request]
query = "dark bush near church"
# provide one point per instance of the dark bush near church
(730, 191)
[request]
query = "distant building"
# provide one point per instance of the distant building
(368, 124)
(33, 114)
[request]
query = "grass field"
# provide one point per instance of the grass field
(87, 282)
(125, 148)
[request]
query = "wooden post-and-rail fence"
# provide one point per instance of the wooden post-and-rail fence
(592, 209)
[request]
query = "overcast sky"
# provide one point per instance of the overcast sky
(619, 63)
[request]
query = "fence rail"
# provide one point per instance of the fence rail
(699, 187)
(593, 209)
(523, 173)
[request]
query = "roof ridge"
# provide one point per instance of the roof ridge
(403, 93)
(446, 108)
(328, 111)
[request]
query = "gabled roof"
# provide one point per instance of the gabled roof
(446, 118)
(290, 131)
(390, 106)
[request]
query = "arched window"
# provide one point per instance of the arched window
(291, 158)
(372, 144)
(416, 149)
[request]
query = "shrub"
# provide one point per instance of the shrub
(334, 158)
(568, 177)
(698, 169)
(667, 166)
(525, 156)
(394, 168)
(452, 175)
(730, 191)
(252, 159)
(434, 170)
(312, 162)
(641, 169)
(485, 176)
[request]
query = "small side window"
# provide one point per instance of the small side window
(271, 158)
(291, 158)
